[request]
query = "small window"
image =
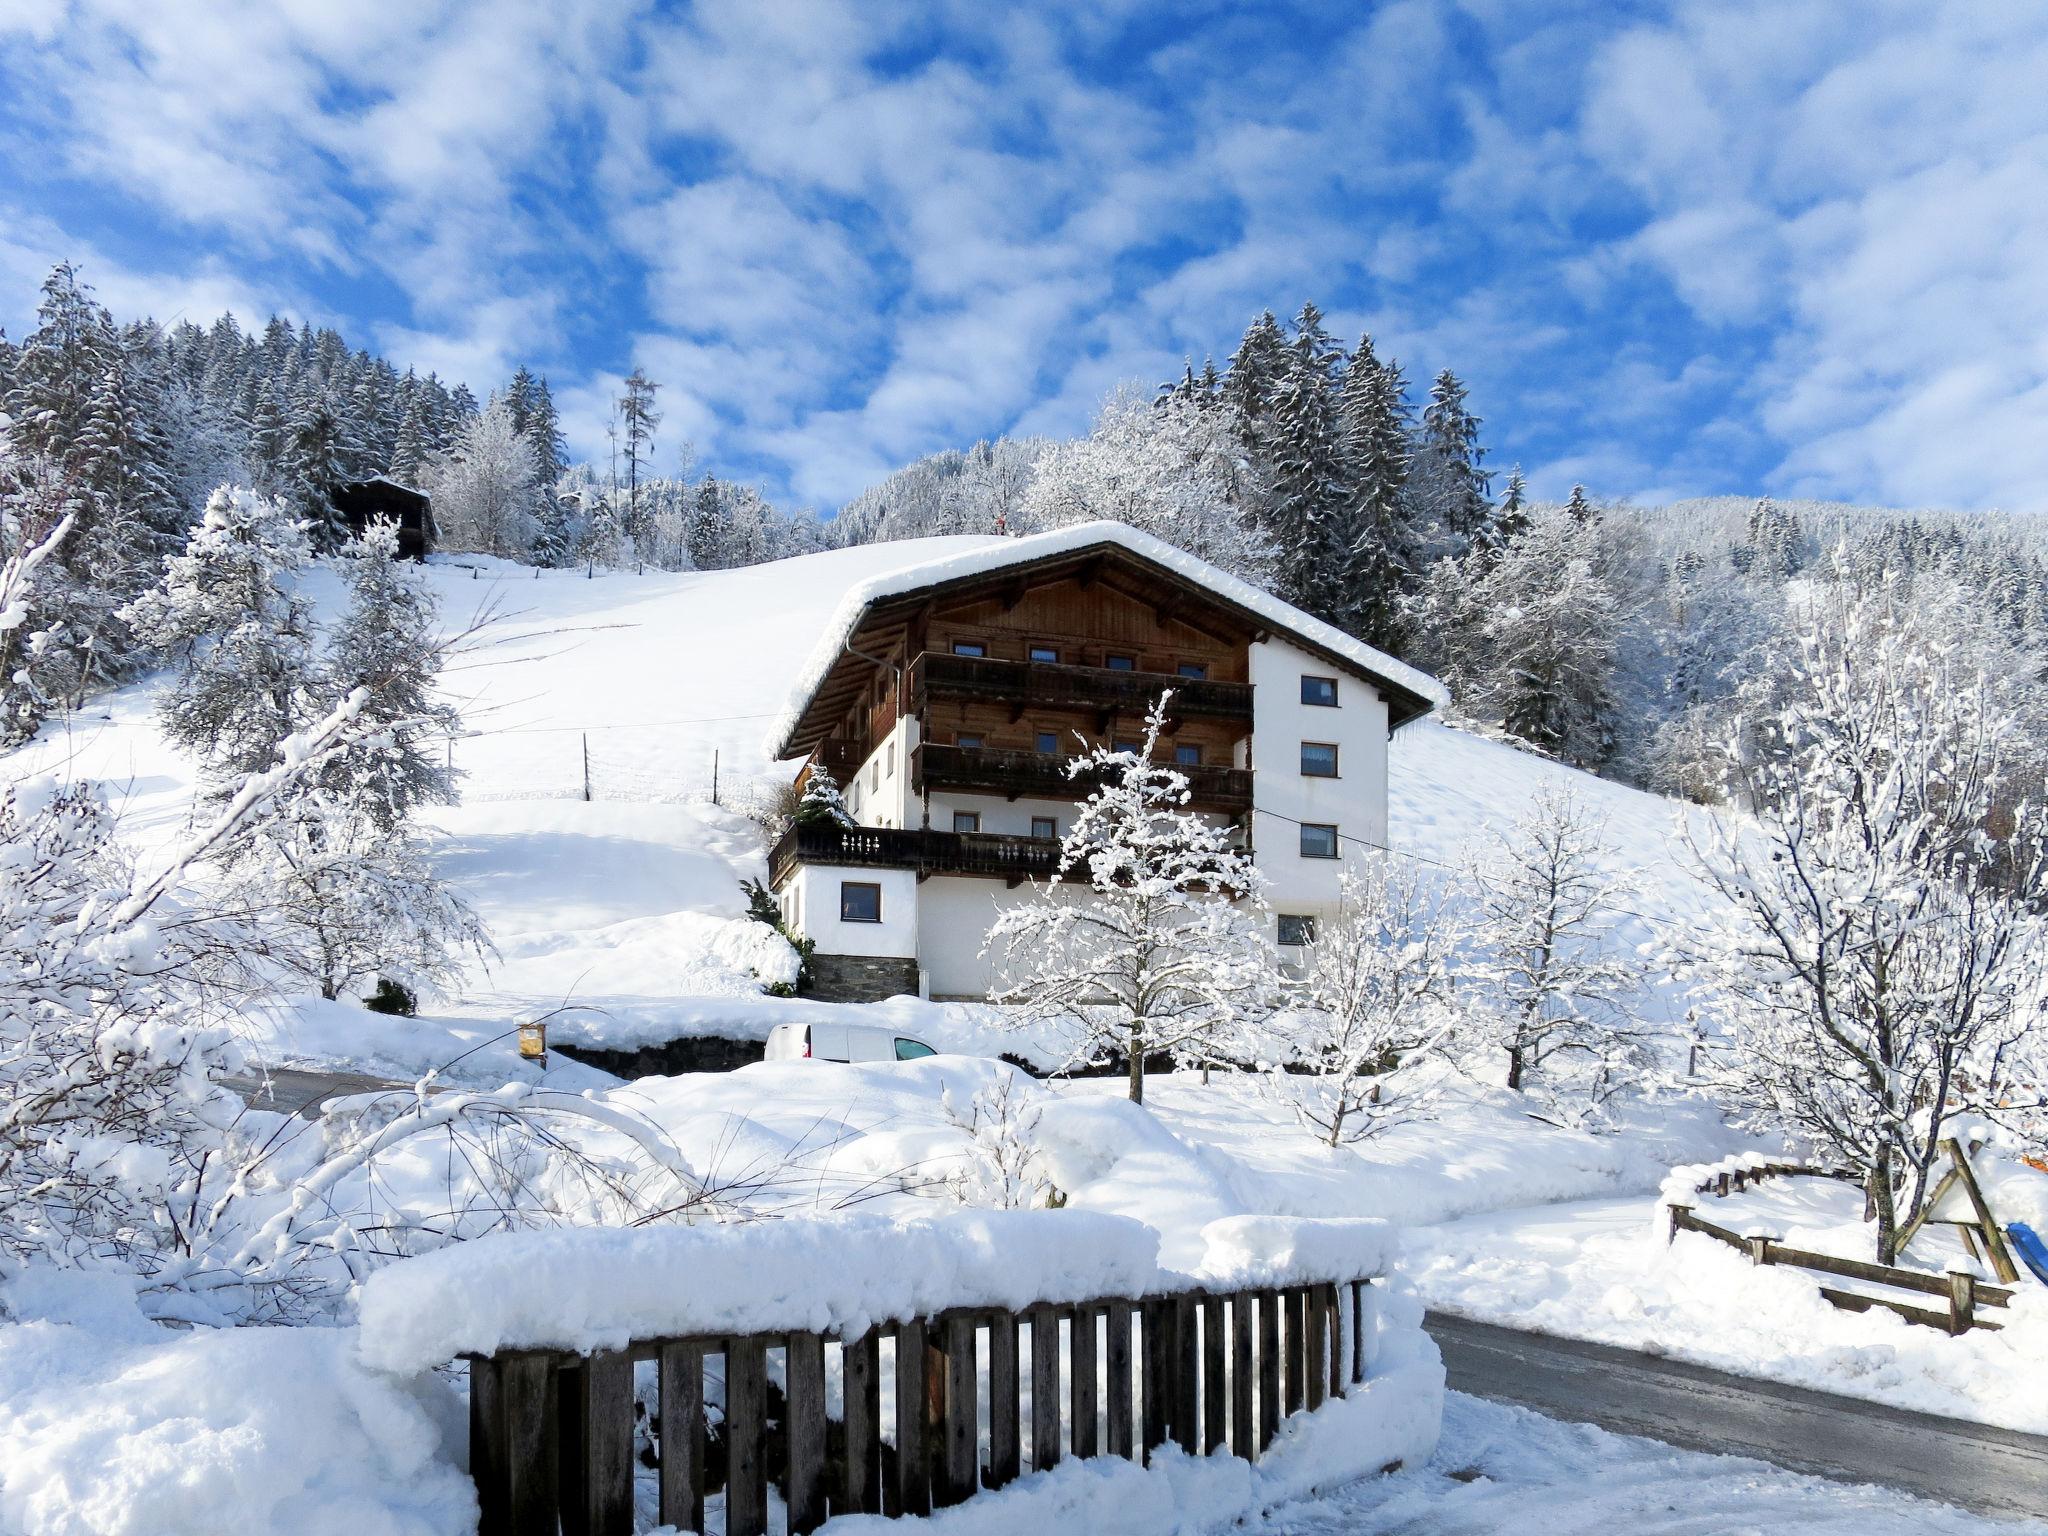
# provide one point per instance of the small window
(965, 740)
(1198, 670)
(969, 648)
(912, 1050)
(1044, 826)
(1048, 741)
(1125, 746)
(859, 902)
(1045, 653)
(967, 821)
(875, 774)
(1121, 663)
(1297, 929)
(1319, 759)
(1319, 690)
(1187, 756)
(1318, 841)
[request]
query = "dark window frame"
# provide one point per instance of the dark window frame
(1120, 661)
(1051, 825)
(973, 816)
(1039, 740)
(1336, 761)
(1031, 653)
(847, 887)
(1193, 671)
(1304, 927)
(970, 741)
(1336, 839)
(977, 649)
(1332, 702)
(1193, 747)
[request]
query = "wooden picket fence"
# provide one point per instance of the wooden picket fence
(552, 1435)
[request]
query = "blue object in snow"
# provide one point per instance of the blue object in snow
(2033, 1252)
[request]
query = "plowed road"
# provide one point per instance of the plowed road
(1993, 1471)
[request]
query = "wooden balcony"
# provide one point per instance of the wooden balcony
(1043, 776)
(1014, 859)
(1026, 685)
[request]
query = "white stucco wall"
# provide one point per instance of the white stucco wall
(955, 915)
(810, 904)
(1355, 802)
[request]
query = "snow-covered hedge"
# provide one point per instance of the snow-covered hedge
(598, 1288)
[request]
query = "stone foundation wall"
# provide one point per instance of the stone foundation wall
(860, 978)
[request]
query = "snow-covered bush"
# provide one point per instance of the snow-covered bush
(1003, 1167)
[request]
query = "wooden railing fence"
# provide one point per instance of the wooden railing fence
(1962, 1291)
(978, 1394)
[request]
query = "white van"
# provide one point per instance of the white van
(842, 1042)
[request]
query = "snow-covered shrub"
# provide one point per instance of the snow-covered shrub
(1003, 1167)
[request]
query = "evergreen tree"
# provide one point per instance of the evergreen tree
(1376, 447)
(1308, 510)
(387, 644)
(638, 418)
(243, 636)
(1511, 520)
(1452, 485)
(821, 803)
(408, 449)
(1579, 509)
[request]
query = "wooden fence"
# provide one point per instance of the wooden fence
(553, 1435)
(1962, 1291)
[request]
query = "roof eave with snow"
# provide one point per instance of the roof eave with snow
(1391, 675)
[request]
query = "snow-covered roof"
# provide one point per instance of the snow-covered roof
(1003, 553)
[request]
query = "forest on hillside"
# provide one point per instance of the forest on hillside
(1626, 640)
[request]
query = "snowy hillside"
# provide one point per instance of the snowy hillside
(630, 905)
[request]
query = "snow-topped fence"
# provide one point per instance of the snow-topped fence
(866, 1365)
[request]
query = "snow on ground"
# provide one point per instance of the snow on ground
(1500, 1468)
(1602, 1270)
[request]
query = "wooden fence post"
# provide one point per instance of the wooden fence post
(515, 1445)
(1117, 1361)
(1215, 1383)
(1005, 1395)
(1313, 1315)
(1294, 1361)
(680, 1395)
(1045, 1387)
(1962, 1301)
(1269, 1367)
(959, 1466)
(1358, 1330)
(1081, 1383)
(1244, 1430)
(1187, 1408)
(746, 1426)
(804, 1431)
(1156, 1365)
(913, 1435)
(860, 1488)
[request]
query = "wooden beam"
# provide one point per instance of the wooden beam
(1987, 1224)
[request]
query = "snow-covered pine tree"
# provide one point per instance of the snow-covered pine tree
(1578, 508)
(408, 449)
(229, 610)
(1511, 518)
(821, 803)
(1381, 558)
(1449, 488)
(638, 419)
(1309, 507)
(1878, 963)
(388, 645)
(1546, 986)
(1373, 999)
(1148, 940)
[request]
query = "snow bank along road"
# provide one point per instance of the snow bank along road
(1994, 1471)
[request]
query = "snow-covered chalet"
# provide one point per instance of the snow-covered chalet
(947, 699)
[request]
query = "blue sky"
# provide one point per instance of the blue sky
(1786, 247)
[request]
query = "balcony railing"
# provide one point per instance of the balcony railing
(929, 853)
(1050, 685)
(1043, 775)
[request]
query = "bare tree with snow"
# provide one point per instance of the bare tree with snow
(1147, 938)
(1880, 961)
(1545, 984)
(1373, 1000)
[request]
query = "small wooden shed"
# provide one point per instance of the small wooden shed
(363, 502)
